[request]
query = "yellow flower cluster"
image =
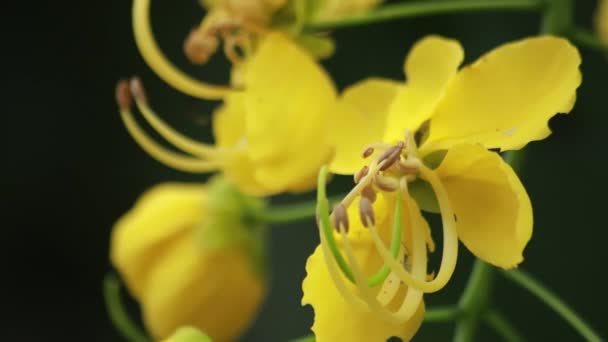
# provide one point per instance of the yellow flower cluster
(424, 144)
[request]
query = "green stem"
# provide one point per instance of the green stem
(291, 212)
(588, 39)
(557, 17)
(474, 301)
(117, 313)
(441, 314)
(536, 288)
(424, 8)
(502, 326)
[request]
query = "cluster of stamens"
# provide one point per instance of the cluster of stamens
(234, 22)
(390, 171)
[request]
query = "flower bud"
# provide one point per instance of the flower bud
(180, 281)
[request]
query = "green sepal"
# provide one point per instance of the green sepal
(319, 46)
(424, 195)
(230, 222)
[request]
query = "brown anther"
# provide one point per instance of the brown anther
(367, 152)
(366, 212)
(369, 193)
(361, 173)
(339, 217)
(200, 45)
(123, 95)
(137, 89)
(390, 156)
(388, 184)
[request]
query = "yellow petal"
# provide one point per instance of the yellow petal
(359, 119)
(601, 20)
(188, 286)
(505, 99)
(429, 67)
(492, 208)
(229, 130)
(335, 318)
(288, 98)
(159, 215)
(229, 121)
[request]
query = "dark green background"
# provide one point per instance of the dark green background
(70, 169)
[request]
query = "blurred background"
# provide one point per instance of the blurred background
(70, 168)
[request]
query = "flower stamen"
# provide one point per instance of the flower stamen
(179, 140)
(167, 157)
(450, 245)
(152, 54)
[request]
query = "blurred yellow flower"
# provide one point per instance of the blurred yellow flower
(429, 138)
(601, 20)
(237, 26)
(271, 137)
(162, 250)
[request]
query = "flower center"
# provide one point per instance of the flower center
(390, 171)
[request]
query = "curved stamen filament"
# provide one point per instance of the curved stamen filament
(144, 38)
(364, 290)
(338, 281)
(330, 252)
(413, 296)
(450, 243)
(397, 232)
(408, 306)
(328, 238)
(169, 158)
(179, 140)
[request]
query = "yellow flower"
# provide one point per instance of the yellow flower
(378, 305)
(270, 137)
(163, 251)
(429, 138)
(240, 25)
(601, 20)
